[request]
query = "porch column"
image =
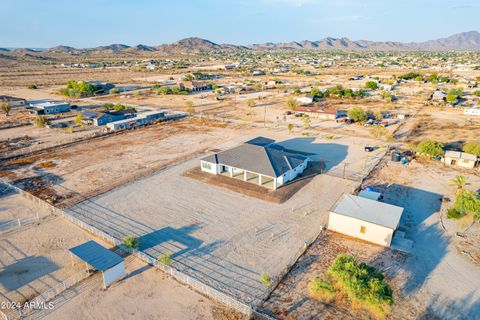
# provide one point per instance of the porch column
(244, 175)
(274, 183)
(259, 179)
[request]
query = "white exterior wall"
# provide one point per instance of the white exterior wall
(464, 163)
(350, 226)
(214, 168)
(113, 274)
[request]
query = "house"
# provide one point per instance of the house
(260, 161)
(307, 99)
(13, 101)
(142, 119)
(319, 113)
(101, 86)
(438, 95)
(50, 107)
(460, 159)
(472, 112)
(196, 86)
(365, 219)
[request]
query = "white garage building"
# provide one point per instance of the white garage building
(260, 161)
(365, 219)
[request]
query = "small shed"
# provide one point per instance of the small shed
(460, 159)
(100, 258)
(365, 219)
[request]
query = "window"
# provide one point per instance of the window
(206, 165)
(363, 229)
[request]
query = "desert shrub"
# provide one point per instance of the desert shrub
(357, 114)
(292, 104)
(131, 242)
(107, 106)
(453, 213)
(431, 148)
(69, 129)
(165, 259)
(372, 85)
(321, 290)
(114, 91)
(41, 121)
(79, 118)
(33, 86)
(77, 89)
(467, 201)
(265, 279)
(363, 284)
(472, 147)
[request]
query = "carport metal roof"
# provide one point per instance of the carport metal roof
(96, 255)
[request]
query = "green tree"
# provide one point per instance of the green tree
(431, 148)
(131, 242)
(6, 107)
(451, 98)
(467, 201)
(251, 103)
(472, 148)
(107, 106)
(357, 114)
(41, 121)
(459, 181)
(372, 85)
(79, 118)
(292, 104)
(189, 107)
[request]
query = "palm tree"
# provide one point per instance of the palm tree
(459, 181)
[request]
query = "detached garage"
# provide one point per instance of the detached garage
(365, 219)
(100, 258)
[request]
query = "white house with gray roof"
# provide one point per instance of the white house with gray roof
(259, 161)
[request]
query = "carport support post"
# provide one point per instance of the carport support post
(274, 183)
(231, 172)
(259, 179)
(244, 175)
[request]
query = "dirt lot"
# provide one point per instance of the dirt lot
(35, 257)
(145, 293)
(216, 235)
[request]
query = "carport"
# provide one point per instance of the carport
(100, 258)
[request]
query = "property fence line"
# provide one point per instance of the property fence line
(198, 285)
(179, 276)
(6, 226)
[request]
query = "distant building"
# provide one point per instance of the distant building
(101, 86)
(50, 107)
(141, 119)
(438, 95)
(365, 219)
(472, 112)
(460, 159)
(306, 99)
(320, 113)
(13, 101)
(196, 86)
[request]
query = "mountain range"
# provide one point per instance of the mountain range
(464, 41)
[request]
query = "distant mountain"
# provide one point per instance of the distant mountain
(112, 47)
(460, 41)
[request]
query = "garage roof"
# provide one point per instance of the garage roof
(368, 210)
(99, 257)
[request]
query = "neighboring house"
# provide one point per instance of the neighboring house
(196, 86)
(438, 95)
(101, 86)
(472, 112)
(325, 114)
(365, 219)
(13, 101)
(460, 159)
(50, 107)
(102, 118)
(260, 161)
(141, 119)
(307, 99)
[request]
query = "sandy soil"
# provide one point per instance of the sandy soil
(145, 293)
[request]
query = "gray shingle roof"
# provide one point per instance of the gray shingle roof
(269, 160)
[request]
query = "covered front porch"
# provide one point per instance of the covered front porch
(248, 176)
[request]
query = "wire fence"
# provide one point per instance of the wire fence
(6, 226)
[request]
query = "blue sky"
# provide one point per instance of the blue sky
(89, 23)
